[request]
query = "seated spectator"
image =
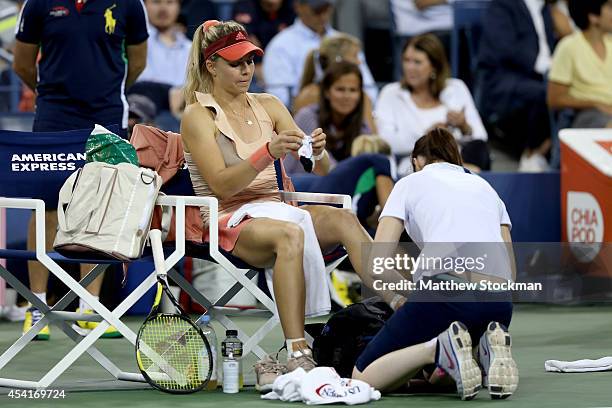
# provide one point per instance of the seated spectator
(263, 19)
(514, 58)
(339, 113)
(581, 73)
(427, 97)
(338, 47)
(285, 55)
(167, 46)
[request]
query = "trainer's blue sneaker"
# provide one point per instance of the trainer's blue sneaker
(500, 372)
(455, 357)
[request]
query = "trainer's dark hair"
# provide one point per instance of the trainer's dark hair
(580, 10)
(438, 144)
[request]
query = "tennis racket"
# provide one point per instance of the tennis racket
(172, 353)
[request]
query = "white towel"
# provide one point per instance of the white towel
(318, 301)
(287, 387)
(321, 385)
(579, 366)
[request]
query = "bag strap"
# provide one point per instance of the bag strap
(106, 182)
(65, 196)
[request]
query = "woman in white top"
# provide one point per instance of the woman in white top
(427, 97)
(442, 203)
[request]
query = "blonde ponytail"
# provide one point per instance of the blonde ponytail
(198, 78)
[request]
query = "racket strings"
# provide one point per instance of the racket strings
(183, 361)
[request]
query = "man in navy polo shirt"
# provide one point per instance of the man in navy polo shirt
(90, 51)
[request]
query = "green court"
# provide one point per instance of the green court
(539, 333)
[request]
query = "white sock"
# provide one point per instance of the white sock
(291, 348)
(41, 296)
(83, 305)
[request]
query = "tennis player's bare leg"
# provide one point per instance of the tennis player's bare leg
(264, 242)
(338, 226)
(394, 369)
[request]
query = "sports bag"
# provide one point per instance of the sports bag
(347, 333)
(105, 210)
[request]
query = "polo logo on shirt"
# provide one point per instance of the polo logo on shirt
(59, 11)
(110, 20)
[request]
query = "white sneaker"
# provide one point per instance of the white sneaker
(534, 163)
(500, 372)
(455, 358)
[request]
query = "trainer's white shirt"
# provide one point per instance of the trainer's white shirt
(443, 203)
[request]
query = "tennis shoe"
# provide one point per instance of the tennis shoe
(500, 372)
(84, 327)
(33, 316)
(454, 356)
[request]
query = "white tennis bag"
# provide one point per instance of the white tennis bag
(106, 210)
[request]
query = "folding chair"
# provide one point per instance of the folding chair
(32, 168)
(180, 185)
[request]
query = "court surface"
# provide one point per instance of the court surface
(539, 333)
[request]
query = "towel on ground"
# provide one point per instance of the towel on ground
(579, 366)
(321, 385)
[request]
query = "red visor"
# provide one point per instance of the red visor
(232, 47)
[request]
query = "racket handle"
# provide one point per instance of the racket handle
(158, 251)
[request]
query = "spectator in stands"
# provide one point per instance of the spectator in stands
(168, 47)
(514, 59)
(335, 48)
(263, 19)
(339, 113)
(441, 203)
(231, 139)
(285, 56)
(581, 73)
(80, 81)
(427, 97)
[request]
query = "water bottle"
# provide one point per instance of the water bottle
(232, 345)
(231, 374)
(211, 336)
